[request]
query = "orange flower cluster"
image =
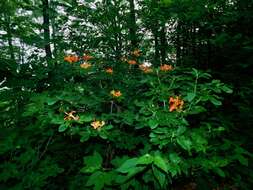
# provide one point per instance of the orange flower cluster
(85, 65)
(71, 58)
(145, 68)
(176, 104)
(87, 57)
(166, 67)
(97, 124)
(116, 93)
(70, 116)
(136, 53)
(131, 62)
(109, 70)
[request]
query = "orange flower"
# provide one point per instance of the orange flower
(145, 68)
(131, 62)
(136, 53)
(116, 93)
(166, 67)
(109, 70)
(97, 124)
(71, 58)
(70, 116)
(176, 104)
(87, 57)
(85, 65)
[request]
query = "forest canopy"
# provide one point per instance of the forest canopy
(126, 94)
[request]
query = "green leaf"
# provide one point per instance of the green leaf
(84, 136)
(146, 159)
(190, 96)
(195, 72)
(56, 119)
(215, 101)
(227, 89)
(219, 172)
(181, 130)
(131, 172)
(100, 179)
(128, 165)
(197, 109)
(153, 123)
(160, 163)
(174, 158)
(184, 142)
(159, 175)
(63, 127)
(96, 179)
(103, 134)
(92, 163)
(86, 118)
(51, 101)
(244, 161)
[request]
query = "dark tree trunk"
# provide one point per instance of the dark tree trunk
(163, 44)
(178, 45)
(157, 52)
(46, 29)
(132, 25)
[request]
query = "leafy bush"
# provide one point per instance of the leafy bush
(122, 125)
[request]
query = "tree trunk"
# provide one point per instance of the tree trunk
(178, 48)
(132, 25)
(46, 29)
(163, 44)
(157, 51)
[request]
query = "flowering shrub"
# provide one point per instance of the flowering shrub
(159, 127)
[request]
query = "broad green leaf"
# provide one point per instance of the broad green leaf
(227, 89)
(159, 175)
(131, 172)
(51, 101)
(86, 118)
(128, 165)
(146, 159)
(92, 163)
(181, 130)
(96, 179)
(62, 127)
(215, 101)
(184, 142)
(160, 163)
(190, 96)
(174, 158)
(84, 136)
(153, 123)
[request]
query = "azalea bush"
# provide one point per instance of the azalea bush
(122, 124)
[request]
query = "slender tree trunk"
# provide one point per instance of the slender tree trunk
(132, 25)
(9, 37)
(163, 44)
(157, 51)
(54, 29)
(46, 29)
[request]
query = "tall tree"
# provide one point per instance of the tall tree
(163, 44)
(46, 24)
(132, 25)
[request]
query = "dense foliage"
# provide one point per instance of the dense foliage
(124, 94)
